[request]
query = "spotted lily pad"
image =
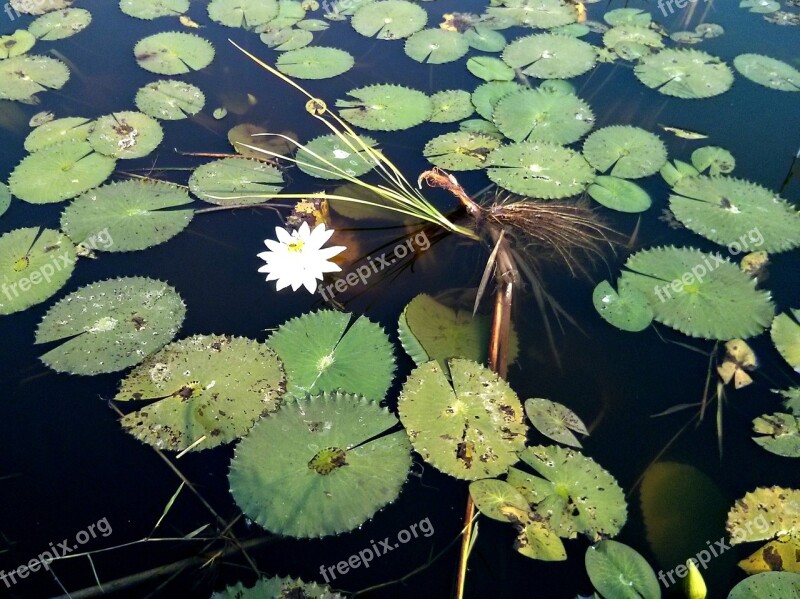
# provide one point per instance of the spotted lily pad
(460, 151)
(627, 152)
(24, 76)
(768, 72)
(767, 585)
(780, 434)
(685, 74)
(170, 100)
(111, 325)
(352, 160)
(126, 135)
(628, 309)
(16, 44)
(550, 56)
(317, 62)
(617, 570)
(619, 194)
(717, 161)
(555, 421)
(66, 129)
(451, 106)
(469, 428)
(277, 587)
(151, 9)
(173, 53)
(785, 334)
(777, 507)
(128, 216)
(436, 46)
(537, 115)
(34, 265)
(389, 19)
(247, 14)
(235, 181)
(385, 107)
(208, 387)
(60, 24)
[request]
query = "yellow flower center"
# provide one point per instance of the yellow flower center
(296, 246)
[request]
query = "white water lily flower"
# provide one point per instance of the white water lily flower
(298, 259)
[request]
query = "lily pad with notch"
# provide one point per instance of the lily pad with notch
(354, 161)
(689, 74)
(625, 151)
(451, 105)
(619, 194)
(619, 571)
(389, 19)
(628, 309)
(317, 62)
(769, 72)
(538, 115)
(555, 421)
(490, 68)
(67, 129)
(152, 9)
(173, 53)
(385, 107)
(460, 151)
(16, 44)
(779, 434)
(247, 14)
(126, 135)
(550, 56)
(60, 24)
(487, 95)
(170, 100)
(22, 77)
(717, 161)
(436, 46)
(235, 181)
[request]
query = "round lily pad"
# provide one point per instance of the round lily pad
(717, 161)
(629, 152)
(318, 466)
(619, 194)
(471, 428)
(555, 421)
(460, 151)
(487, 95)
(539, 170)
(352, 160)
(127, 216)
(385, 107)
(389, 19)
(34, 264)
(247, 14)
(208, 387)
(235, 181)
(111, 325)
(59, 172)
(736, 213)
(315, 62)
(173, 53)
(151, 9)
(277, 587)
(323, 352)
(436, 46)
(537, 115)
(699, 294)
(768, 72)
(628, 16)
(485, 39)
(628, 310)
(66, 129)
(632, 34)
(537, 14)
(490, 68)
(767, 585)
(60, 24)
(16, 44)
(286, 40)
(170, 100)
(785, 333)
(126, 135)
(451, 106)
(550, 56)
(616, 570)
(685, 74)
(24, 76)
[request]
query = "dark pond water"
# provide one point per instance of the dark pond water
(66, 464)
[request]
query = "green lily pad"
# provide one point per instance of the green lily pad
(537, 14)
(235, 181)
(436, 46)
(208, 387)
(59, 172)
(768, 72)
(781, 434)
(485, 39)
(128, 216)
(550, 56)
(487, 95)
(777, 506)
(628, 310)
(685, 74)
(481, 127)
(785, 333)
(16, 44)
(385, 107)
(537, 115)
(111, 325)
(315, 468)
(493, 497)
(555, 421)
(628, 16)
(24, 76)
(760, 6)
(389, 19)
(313, 25)
(277, 587)
(717, 161)
(677, 170)
(490, 68)
(285, 40)
(60, 24)
(539, 170)
(66, 129)
(632, 34)
(619, 194)
(767, 585)
(709, 30)
(315, 62)
(170, 100)
(173, 53)
(619, 571)
(247, 14)
(353, 160)
(699, 294)
(34, 264)
(471, 428)
(736, 213)
(27, 7)
(791, 399)
(460, 151)
(451, 105)
(5, 198)
(290, 12)
(152, 9)
(576, 494)
(126, 135)
(630, 152)
(538, 541)
(322, 352)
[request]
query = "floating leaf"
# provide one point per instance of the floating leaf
(315, 468)
(471, 428)
(436, 46)
(151, 9)
(316, 62)
(699, 294)
(627, 16)
(481, 127)
(493, 497)
(490, 68)
(550, 56)
(460, 151)
(782, 434)
(59, 172)
(630, 152)
(539, 170)
(132, 215)
(235, 181)
(768, 72)
(485, 39)
(537, 115)
(66, 129)
(619, 571)
(632, 34)
(247, 14)
(536, 540)
(389, 19)
(60, 24)
(34, 264)
(323, 352)
(173, 53)
(23, 76)
(717, 161)
(249, 140)
(451, 106)
(352, 160)
(5, 198)
(779, 555)
(386, 107)
(736, 213)
(774, 511)
(313, 25)
(16, 44)
(538, 14)
(205, 387)
(555, 421)
(286, 40)
(627, 310)
(767, 585)
(487, 95)
(277, 587)
(685, 74)
(785, 333)
(760, 6)
(27, 7)
(290, 12)
(170, 100)
(126, 135)
(619, 194)
(111, 325)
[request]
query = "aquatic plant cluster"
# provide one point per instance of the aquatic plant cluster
(317, 450)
